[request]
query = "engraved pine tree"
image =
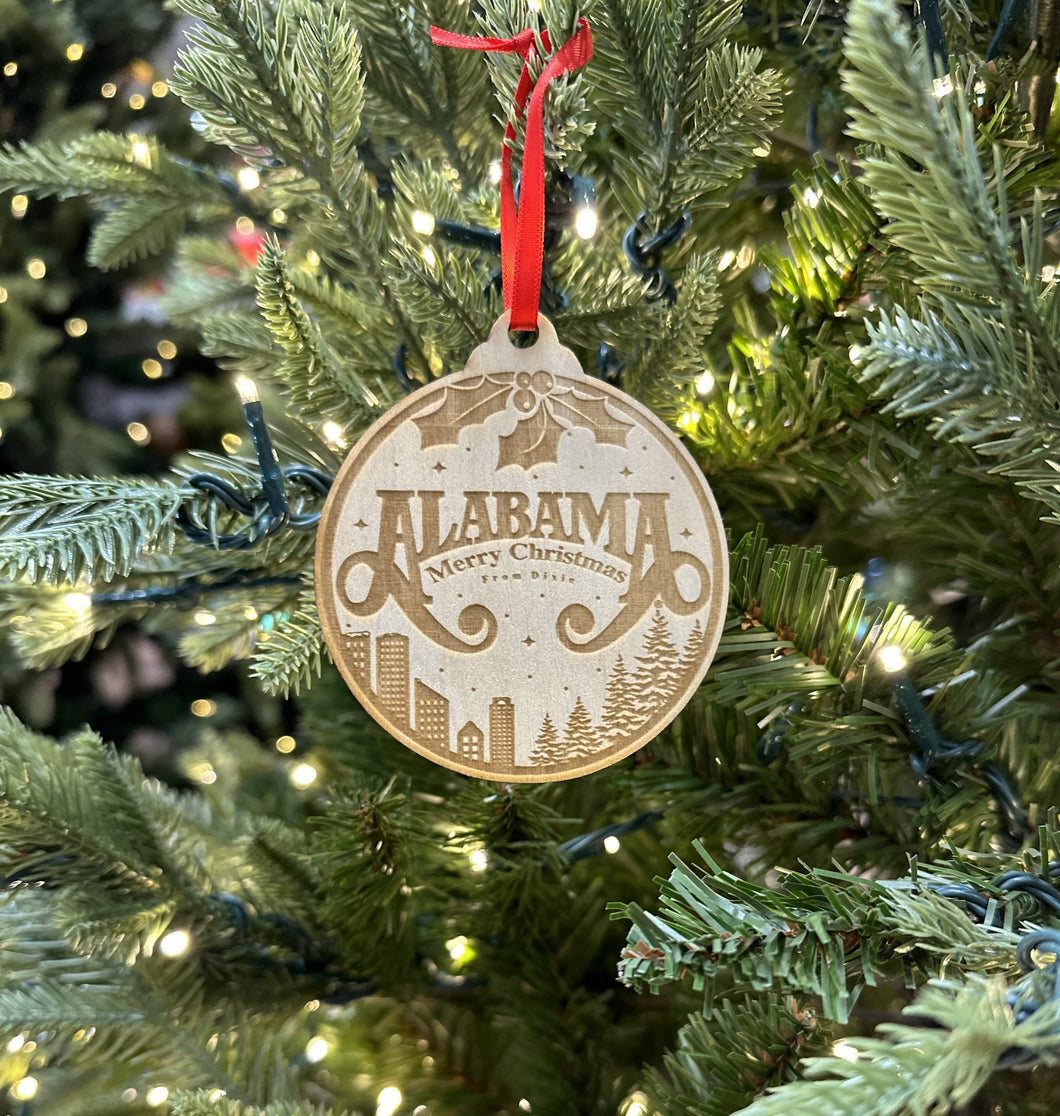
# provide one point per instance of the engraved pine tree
(580, 738)
(691, 652)
(621, 716)
(546, 746)
(658, 676)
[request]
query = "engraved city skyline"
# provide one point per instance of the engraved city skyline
(635, 695)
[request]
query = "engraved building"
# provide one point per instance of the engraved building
(469, 742)
(359, 657)
(392, 676)
(502, 731)
(432, 717)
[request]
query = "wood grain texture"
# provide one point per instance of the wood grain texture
(520, 571)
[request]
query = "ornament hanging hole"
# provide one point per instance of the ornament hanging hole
(523, 338)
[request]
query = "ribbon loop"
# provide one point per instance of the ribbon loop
(523, 226)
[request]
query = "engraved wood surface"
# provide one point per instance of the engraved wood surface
(520, 571)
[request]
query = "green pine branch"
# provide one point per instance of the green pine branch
(292, 657)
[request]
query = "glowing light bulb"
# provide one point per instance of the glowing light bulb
(854, 353)
(585, 223)
(942, 87)
(423, 223)
(457, 947)
(689, 419)
(892, 659)
(495, 172)
(159, 89)
(156, 1095)
(316, 1049)
(612, 844)
(285, 744)
(312, 258)
(204, 618)
(845, 1051)
(811, 197)
(166, 349)
(26, 1089)
(478, 860)
(16, 1044)
(80, 603)
(244, 226)
(705, 384)
(19, 205)
(108, 89)
(524, 1105)
(230, 443)
(248, 390)
(303, 775)
(6, 389)
(137, 101)
(10, 69)
(248, 178)
(726, 259)
(176, 942)
(332, 434)
(636, 1105)
(76, 327)
(386, 1104)
(429, 257)
(3, 294)
(139, 433)
(151, 368)
(75, 51)
(36, 268)
(141, 153)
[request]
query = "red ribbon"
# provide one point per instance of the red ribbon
(523, 228)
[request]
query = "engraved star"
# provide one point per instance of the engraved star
(529, 642)
(686, 534)
(360, 523)
(439, 468)
(627, 472)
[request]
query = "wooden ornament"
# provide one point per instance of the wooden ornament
(521, 573)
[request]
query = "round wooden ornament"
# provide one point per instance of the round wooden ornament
(521, 573)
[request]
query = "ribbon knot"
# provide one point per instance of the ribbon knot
(523, 226)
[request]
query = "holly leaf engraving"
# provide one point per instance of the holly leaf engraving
(462, 405)
(585, 409)
(534, 441)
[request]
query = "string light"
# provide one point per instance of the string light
(6, 389)
(524, 1105)
(26, 1089)
(285, 744)
(495, 172)
(81, 603)
(457, 947)
(75, 51)
(230, 443)
(10, 69)
(250, 613)
(705, 384)
(36, 268)
(129, 1095)
(892, 659)
(159, 89)
(108, 89)
(854, 353)
(332, 434)
(244, 226)
(316, 1049)
(429, 256)
(156, 1095)
(312, 258)
(689, 419)
(585, 223)
(636, 1104)
(176, 943)
(203, 707)
(166, 349)
(19, 205)
(303, 775)
(3, 294)
(478, 860)
(388, 1101)
(141, 153)
(278, 216)
(137, 101)
(151, 368)
(423, 223)
(248, 391)
(942, 87)
(761, 151)
(76, 327)
(421, 1110)
(139, 433)
(248, 178)
(845, 1051)
(811, 198)
(204, 618)
(612, 844)
(16, 1044)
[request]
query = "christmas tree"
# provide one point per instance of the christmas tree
(819, 242)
